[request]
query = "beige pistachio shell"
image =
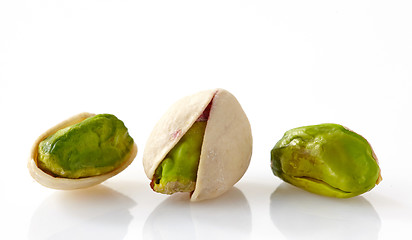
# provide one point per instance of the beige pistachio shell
(227, 143)
(66, 183)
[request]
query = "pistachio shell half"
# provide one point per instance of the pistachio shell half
(227, 142)
(326, 159)
(51, 180)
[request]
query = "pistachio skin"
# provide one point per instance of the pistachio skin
(93, 147)
(326, 159)
(178, 171)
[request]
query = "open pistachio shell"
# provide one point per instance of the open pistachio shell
(63, 183)
(326, 159)
(227, 143)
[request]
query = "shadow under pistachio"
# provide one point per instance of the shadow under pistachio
(299, 214)
(93, 213)
(225, 217)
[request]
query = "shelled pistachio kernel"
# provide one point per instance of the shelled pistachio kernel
(326, 159)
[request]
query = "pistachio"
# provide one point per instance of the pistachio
(326, 159)
(177, 172)
(201, 145)
(81, 151)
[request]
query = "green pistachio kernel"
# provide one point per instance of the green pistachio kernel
(178, 171)
(95, 146)
(326, 159)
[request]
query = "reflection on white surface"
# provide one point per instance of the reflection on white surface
(170, 220)
(93, 213)
(299, 214)
(227, 216)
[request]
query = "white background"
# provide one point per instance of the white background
(289, 63)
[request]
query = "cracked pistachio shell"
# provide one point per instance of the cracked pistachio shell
(227, 142)
(63, 183)
(326, 159)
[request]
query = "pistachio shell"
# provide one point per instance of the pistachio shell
(326, 159)
(67, 183)
(227, 143)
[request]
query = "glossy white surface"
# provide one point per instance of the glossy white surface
(289, 63)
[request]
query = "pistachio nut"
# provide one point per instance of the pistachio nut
(326, 159)
(81, 151)
(201, 145)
